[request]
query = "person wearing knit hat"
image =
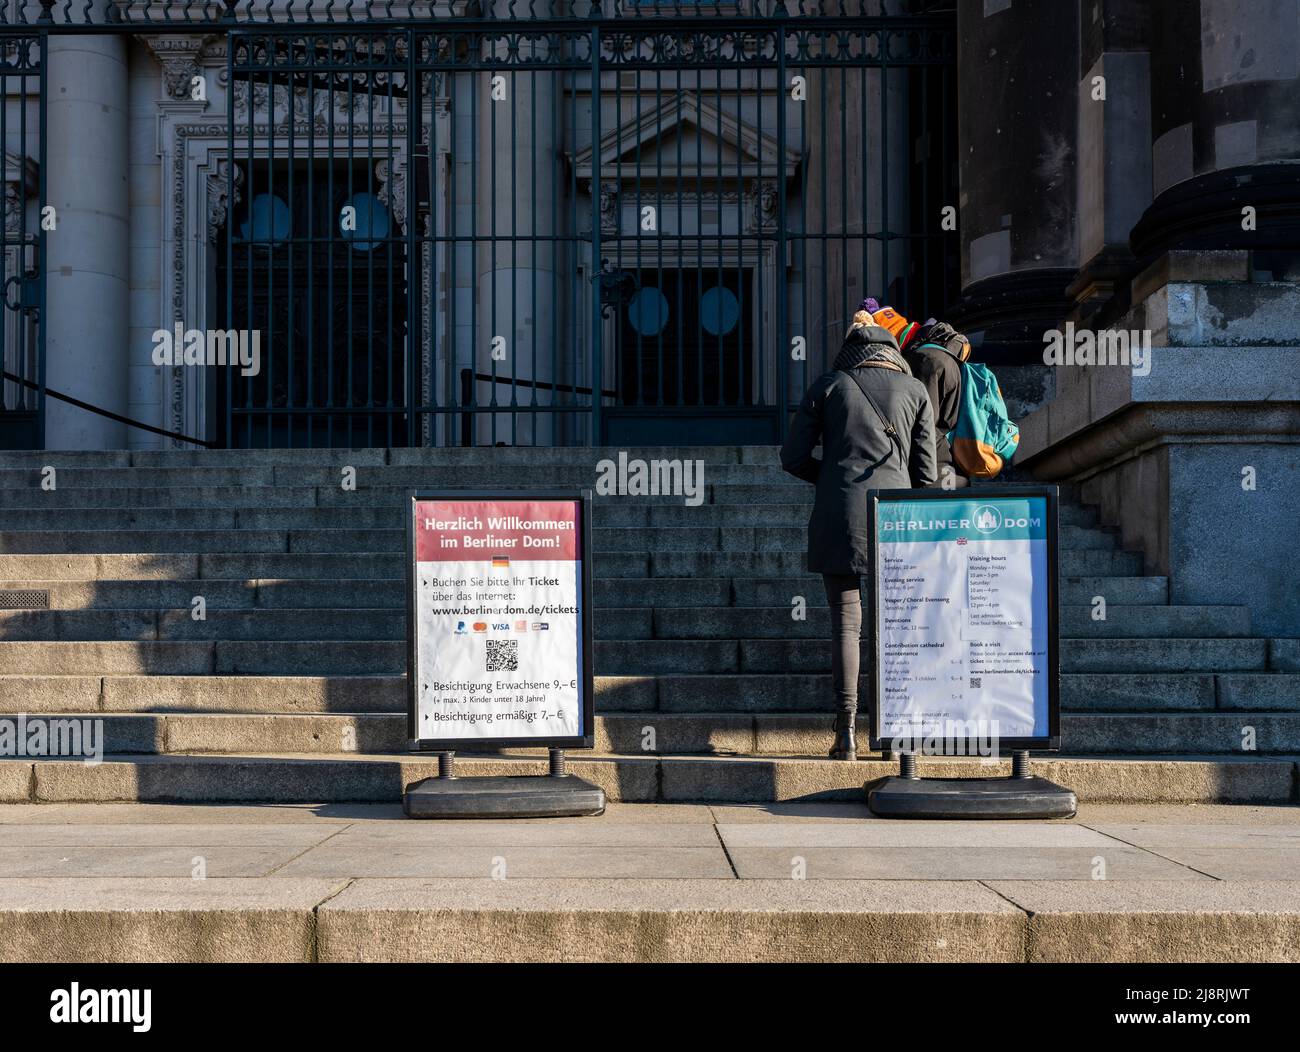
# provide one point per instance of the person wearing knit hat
(873, 422)
(935, 354)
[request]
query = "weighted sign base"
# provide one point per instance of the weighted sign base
(1020, 796)
(555, 795)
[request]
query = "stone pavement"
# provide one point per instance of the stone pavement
(776, 882)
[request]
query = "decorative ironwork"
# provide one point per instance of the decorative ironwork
(525, 221)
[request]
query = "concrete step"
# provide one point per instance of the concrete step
(320, 624)
(373, 491)
(341, 902)
(632, 512)
(336, 594)
(647, 657)
(656, 539)
(451, 475)
(624, 657)
(200, 658)
(778, 622)
(444, 456)
(1081, 692)
(382, 593)
(792, 563)
(606, 514)
(1278, 691)
(198, 518)
(128, 693)
(285, 565)
(775, 591)
(747, 694)
(702, 733)
(182, 497)
(625, 623)
(721, 779)
(182, 566)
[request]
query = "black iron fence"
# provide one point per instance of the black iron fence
(540, 223)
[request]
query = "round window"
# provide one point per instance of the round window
(647, 312)
(267, 219)
(363, 218)
(719, 311)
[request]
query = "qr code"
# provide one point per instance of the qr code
(975, 683)
(503, 655)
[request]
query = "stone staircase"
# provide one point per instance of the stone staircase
(291, 688)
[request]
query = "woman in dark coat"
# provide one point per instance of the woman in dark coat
(852, 411)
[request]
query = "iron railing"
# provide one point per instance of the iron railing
(672, 208)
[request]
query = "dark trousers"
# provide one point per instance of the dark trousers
(844, 596)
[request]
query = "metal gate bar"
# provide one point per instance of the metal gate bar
(610, 222)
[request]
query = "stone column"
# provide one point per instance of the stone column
(1017, 77)
(1225, 132)
(86, 264)
(1114, 170)
(1193, 453)
(517, 291)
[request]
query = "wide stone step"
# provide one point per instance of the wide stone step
(792, 563)
(181, 497)
(382, 777)
(195, 658)
(182, 566)
(780, 504)
(445, 476)
(781, 622)
(283, 565)
(644, 657)
(627, 623)
(622, 657)
(705, 733)
(321, 624)
(139, 519)
(336, 594)
(775, 591)
(389, 593)
(207, 693)
(375, 912)
(656, 540)
(631, 512)
(1081, 692)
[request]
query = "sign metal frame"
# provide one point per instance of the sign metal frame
(582, 498)
(1051, 742)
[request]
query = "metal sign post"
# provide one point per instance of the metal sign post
(963, 594)
(499, 648)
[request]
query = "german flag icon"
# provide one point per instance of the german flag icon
(500, 562)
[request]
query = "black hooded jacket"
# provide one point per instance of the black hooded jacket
(940, 371)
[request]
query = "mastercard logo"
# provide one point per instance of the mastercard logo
(480, 626)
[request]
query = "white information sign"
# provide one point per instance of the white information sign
(500, 637)
(964, 619)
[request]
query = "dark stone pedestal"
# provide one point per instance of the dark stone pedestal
(990, 798)
(522, 796)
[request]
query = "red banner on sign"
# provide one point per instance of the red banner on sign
(496, 532)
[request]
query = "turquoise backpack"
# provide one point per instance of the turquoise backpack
(985, 438)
